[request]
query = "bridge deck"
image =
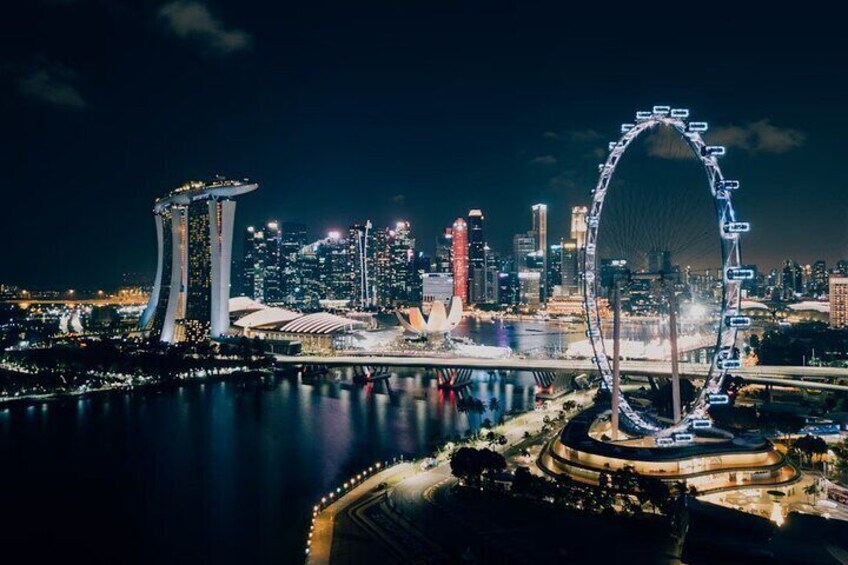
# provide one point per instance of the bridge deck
(776, 375)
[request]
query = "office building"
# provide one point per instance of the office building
(523, 244)
(460, 259)
(658, 262)
(579, 227)
(528, 288)
(476, 257)
(570, 268)
(361, 263)
(444, 252)
(292, 239)
(540, 234)
(436, 287)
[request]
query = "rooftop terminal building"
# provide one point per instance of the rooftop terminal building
(194, 234)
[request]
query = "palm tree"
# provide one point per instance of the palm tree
(812, 490)
(494, 404)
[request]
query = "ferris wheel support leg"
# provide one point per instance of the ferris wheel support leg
(616, 361)
(675, 365)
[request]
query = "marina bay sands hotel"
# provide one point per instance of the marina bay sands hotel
(194, 232)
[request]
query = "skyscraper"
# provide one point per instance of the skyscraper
(491, 283)
(292, 240)
(523, 244)
(476, 257)
(444, 252)
(570, 267)
(460, 259)
(579, 228)
(819, 282)
(658, 262)
(360, 243)
(554, 271)
(261, 273)
(333, 267)
(402, 268)
(194, 228)
(792, 279)
(540, 233)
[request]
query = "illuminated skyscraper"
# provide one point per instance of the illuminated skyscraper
(460, 259)
(476, 258)
(292, 239)
(360, 243)
(523, 244)
(444, 252)
(402, 268)
(260, 267)
(792, 279)
(579, 228)
(540, 233)
(570, 267)
(194, 229)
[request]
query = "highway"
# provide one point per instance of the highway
(800, 377)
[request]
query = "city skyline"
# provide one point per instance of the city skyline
(423, 131)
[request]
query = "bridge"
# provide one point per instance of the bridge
(821, 378)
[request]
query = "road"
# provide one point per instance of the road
(759, 374)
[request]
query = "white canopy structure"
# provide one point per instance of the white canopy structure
(267, 317)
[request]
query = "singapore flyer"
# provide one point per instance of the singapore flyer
(724, 356)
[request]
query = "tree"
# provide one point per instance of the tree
(494, 404)
(812, 490)
(465, 465)
(809, 446)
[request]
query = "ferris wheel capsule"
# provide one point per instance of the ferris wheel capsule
(681, 113)
(739, 274)
(642, 116)
(725, 364)
(698, 127)
(701, 423)
(713, 151)
(626, 127)
(727, 185)
(736, 227)
(612, 145)
(662, 110)
(740, 322)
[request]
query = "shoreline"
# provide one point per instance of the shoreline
(35, 399)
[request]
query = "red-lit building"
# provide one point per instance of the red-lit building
(460, 260)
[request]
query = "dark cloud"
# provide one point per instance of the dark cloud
(758, 137)
(192, 20)
(399, 198)
(51, 83)
(551, 135)
(755, 138)
(547, 160)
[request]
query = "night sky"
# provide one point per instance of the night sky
(346, 111)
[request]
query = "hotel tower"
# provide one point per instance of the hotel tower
(194, 233)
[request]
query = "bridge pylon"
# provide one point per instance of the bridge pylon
(452, 378)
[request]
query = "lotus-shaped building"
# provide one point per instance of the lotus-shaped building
(438, 324)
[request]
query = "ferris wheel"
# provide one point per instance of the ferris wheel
(725, 355)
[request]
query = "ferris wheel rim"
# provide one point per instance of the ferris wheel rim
(731, 259)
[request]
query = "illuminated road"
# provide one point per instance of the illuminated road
(800, 377)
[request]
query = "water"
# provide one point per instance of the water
(222, 471)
